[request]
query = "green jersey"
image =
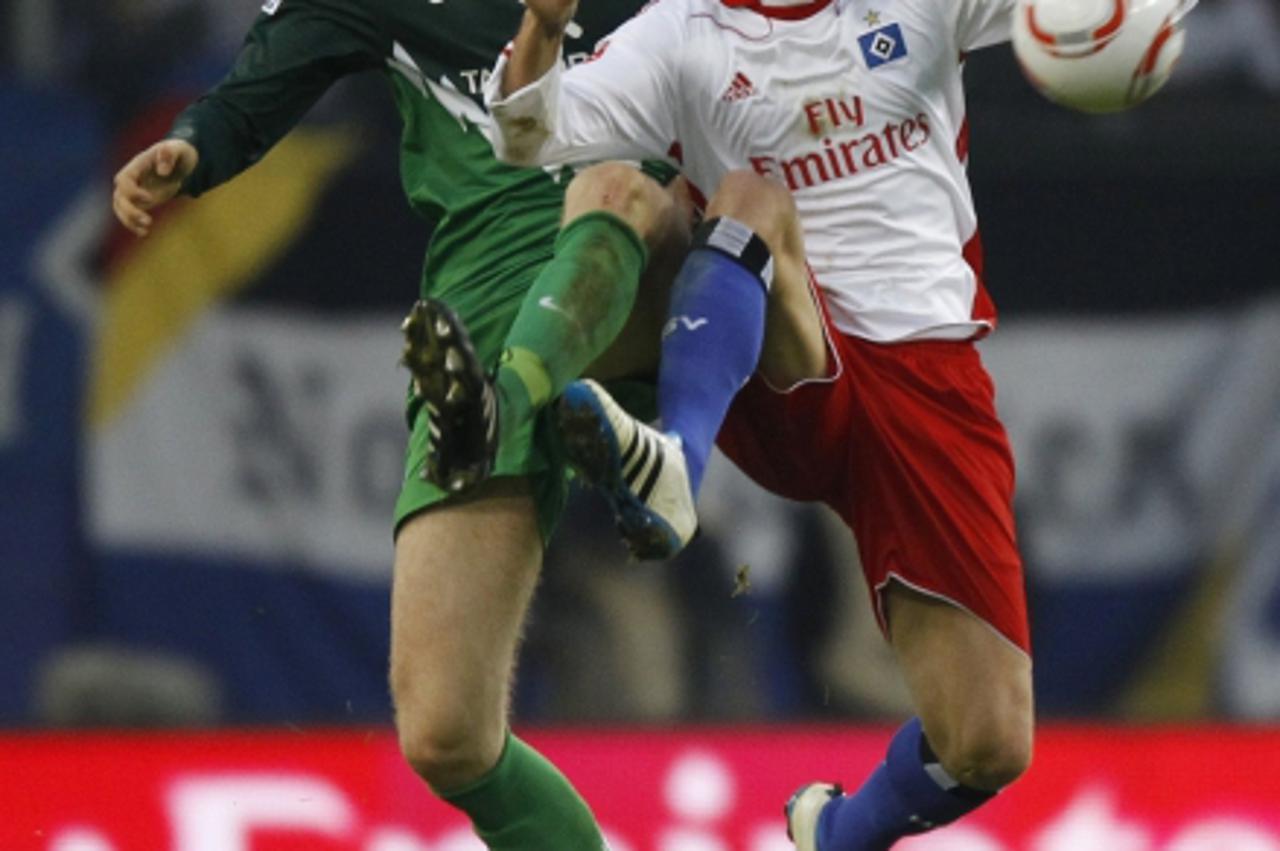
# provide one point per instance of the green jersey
(494, 224)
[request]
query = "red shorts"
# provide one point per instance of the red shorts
(902, 440)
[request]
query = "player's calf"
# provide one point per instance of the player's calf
(457, 397)
(910, 792)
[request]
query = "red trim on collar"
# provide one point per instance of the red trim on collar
(785, 13)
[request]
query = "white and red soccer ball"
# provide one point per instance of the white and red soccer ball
(1099, 55)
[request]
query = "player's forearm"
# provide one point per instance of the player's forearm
(288, 62)
(613, 107)
(535, 49)
(523, 91)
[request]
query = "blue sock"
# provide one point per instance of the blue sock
(909, 793)
(715, 327)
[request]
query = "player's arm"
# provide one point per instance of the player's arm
(288, 60)
(538, 43)
(622, 104)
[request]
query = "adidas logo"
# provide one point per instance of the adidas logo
(740, 88)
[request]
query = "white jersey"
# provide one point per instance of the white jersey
(856, 105)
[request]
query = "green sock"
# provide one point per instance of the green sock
(525, 804)
(575, 308)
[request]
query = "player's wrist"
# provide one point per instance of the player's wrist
(547, 26)
(182, 139)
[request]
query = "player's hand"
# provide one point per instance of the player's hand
(150, 179)
(553, 15)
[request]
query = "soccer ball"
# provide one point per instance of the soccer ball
(1099, 55)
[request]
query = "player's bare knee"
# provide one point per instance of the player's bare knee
(447, 755)
(988, 755)
(622, 190)
(443, 742)
(761, 204)
(608, 186)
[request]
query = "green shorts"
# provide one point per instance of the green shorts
(487, 297)
(531, 453)
(534, 452)
(487, 304)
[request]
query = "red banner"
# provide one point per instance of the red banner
(1091, 789)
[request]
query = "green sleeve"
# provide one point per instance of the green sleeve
(289, 58)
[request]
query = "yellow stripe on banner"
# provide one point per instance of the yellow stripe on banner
(210, 249)
(1176, 682)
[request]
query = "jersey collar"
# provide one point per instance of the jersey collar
(785, 13)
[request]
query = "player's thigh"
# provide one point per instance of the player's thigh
(971, 687)
(795, 346)
(465, 571)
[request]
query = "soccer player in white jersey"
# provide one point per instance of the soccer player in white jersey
(831, 138)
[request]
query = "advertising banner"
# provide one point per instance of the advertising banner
(714, 789)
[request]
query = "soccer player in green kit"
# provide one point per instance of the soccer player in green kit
(543, 278)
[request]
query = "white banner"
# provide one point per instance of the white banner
(267, 436)
(1137, 442)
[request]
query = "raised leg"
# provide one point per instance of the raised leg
(746, 263)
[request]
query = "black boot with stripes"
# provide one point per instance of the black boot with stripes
(458, 398)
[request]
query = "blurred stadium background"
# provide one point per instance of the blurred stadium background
(201, 437)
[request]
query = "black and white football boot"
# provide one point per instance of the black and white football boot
(802, 811)
(640, 471)
(456, 394)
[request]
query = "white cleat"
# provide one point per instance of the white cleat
(803, 810)
(640, 471)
